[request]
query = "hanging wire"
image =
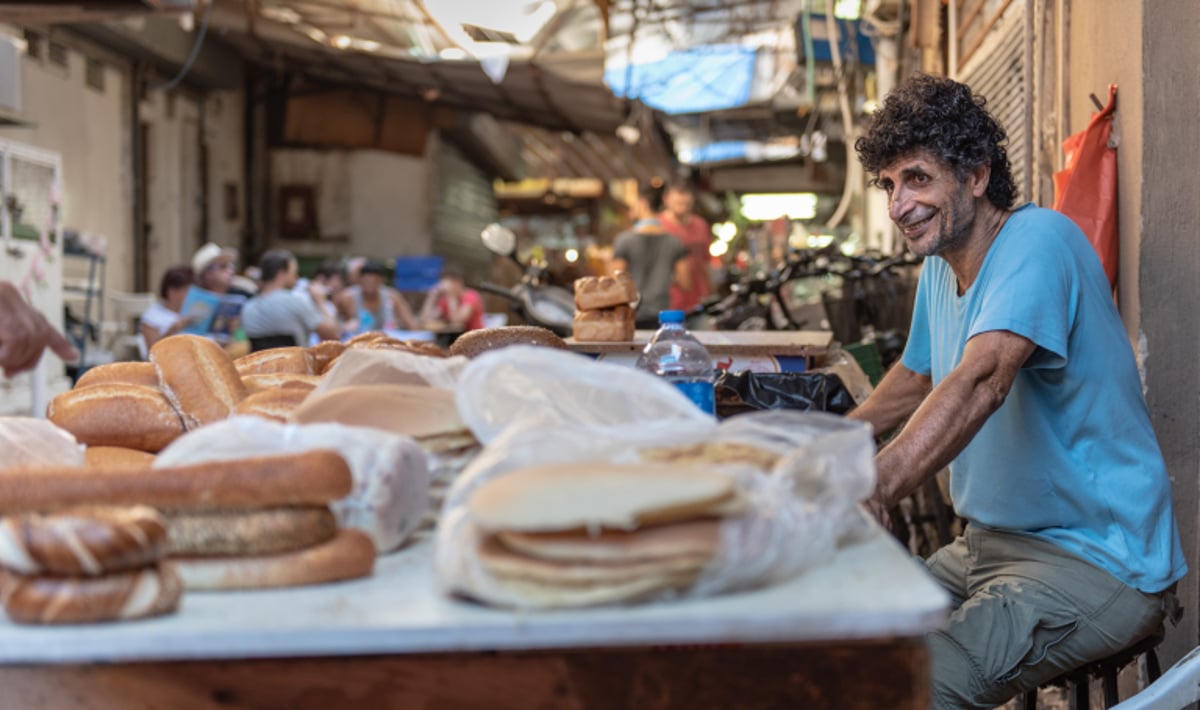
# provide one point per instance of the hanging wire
(187, 65)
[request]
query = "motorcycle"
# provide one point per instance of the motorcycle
(534, 299)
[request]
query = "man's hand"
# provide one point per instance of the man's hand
(24, 333)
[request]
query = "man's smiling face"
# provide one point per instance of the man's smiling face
(934, 209)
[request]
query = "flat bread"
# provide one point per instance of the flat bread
(539, 595)
(595, 495)
(714, 453)
(505, 564)
(691, 539)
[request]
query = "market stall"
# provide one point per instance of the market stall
(756, 351)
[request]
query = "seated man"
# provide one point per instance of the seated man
(1019, 374)
(451, 304)
(277, 311)
(370, 304)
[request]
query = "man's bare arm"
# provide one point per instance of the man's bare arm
(952, 414)
(894, 400)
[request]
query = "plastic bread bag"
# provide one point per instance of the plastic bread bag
(363, 366)
(27, 441)
(523, 386)
(391, 477)
(796, 507)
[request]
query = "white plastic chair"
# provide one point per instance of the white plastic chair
(123, 332)
(1178, 688)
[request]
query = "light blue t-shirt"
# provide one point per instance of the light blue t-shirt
(1070, 457)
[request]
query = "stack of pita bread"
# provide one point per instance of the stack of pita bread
(590, 533)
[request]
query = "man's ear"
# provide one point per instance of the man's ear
(980, 177)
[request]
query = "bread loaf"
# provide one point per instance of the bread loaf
(253, 532)
(349, 555)
(82, 600)
(593, 292)
(477, 342)
(274, 404)
(293, 360)
(119, 373)
(411, 410)
(83, 542)
(117, 457)
(129, 416)
(198, 378)
(607, 325)
(310, 478)
(324, 353)
(275, 380)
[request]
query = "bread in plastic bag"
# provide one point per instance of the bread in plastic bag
(361, 366)
(27, 441)
(390, 473)
(563, 408)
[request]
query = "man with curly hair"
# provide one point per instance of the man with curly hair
(1019, 375)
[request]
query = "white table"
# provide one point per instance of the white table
(871, 599)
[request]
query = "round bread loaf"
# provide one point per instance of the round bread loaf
(129, 416)
(293, 360)
(82, 542)
(324, 353)
(275, 404)
(254, 532)
(275, 380)
(83, 600)
(121, 373)
(198, 378)
(477, 342)
(349, 555)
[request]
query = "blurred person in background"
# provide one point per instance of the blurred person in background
(654, 259)
(165, 317)
(696, 235)
(215, 269)
(329, 279)
(451, 304)
(25, 333)
(372, 305)
(277, 310)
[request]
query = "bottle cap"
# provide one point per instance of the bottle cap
(670, 316)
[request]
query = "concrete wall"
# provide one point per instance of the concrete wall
(89, 128)
(1116, 41)
(223, 129)
(1168, 255)
(173, 196)
(380, 201)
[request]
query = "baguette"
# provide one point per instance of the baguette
(311, 478)
(119, 373)
(348, 556)
(130, 416)
(274, 404)
(324, 354)
(262, 383)
(250, 532)
(198, 378)
(117, 457)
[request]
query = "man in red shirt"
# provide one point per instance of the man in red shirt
(452, 303)
(696, 236)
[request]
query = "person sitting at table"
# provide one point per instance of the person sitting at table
(1018, 373)
(277, 311)
(372, 305)
(451, 305)
(215, 268)
(166, 317)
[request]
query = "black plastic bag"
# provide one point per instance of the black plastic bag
(805, 391)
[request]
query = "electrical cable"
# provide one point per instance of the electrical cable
(847, 121)
(187, 65)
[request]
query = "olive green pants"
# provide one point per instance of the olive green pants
(1025, 611)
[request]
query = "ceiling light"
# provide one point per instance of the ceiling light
(764, 207)
(718, 248)
(571, 255)
(342, 42)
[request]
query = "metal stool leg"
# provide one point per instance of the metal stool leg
(1109, 680)
(1031, 697)
(1153, 671)
(1079, 692)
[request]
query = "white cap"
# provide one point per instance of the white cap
(209, 253)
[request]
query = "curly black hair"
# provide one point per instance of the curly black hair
(942, 116)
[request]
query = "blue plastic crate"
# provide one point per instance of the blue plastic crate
(417, 273)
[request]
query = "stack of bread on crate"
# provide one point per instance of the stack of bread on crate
(603, 310)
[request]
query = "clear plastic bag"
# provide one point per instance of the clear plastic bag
(362, 366)
(391, 476)
(562, 408)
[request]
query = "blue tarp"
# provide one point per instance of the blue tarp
(417, 273)
(708, 78)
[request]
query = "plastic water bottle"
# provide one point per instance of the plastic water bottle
(675, 355)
